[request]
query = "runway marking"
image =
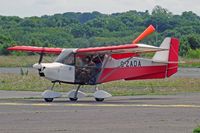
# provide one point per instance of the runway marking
(103, 105)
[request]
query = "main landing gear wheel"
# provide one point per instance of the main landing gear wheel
(48, 99)
(73, 99)
(99, 99)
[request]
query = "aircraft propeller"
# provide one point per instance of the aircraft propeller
(38, 65)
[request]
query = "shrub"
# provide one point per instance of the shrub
(194, 53)
(196, 130)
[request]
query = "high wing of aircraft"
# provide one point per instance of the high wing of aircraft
(97, 65)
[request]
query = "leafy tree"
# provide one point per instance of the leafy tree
(160, 18)
(193, 41)
(95, 29)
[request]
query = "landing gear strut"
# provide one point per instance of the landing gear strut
(75, 98)
(52, 86)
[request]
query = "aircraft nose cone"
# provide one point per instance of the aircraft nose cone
(37, 66)
(40, 68)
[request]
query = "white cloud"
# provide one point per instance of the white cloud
(41, 7)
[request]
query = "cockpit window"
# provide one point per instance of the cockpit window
(66, 57)
(69, 60)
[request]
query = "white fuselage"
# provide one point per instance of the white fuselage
(57, 72)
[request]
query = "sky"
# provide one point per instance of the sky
(27, 8)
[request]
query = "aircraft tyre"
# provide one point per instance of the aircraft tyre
(73, 99)
(99, 99)
(48, 99)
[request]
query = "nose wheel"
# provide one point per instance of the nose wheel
(99, 99)
(73, 99)
(49, 94)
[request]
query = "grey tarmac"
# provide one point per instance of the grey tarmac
(125, 114)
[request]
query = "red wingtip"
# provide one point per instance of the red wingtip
(147, 32)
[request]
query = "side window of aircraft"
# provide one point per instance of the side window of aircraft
(66, 58)
(69, 60)
(79, 61)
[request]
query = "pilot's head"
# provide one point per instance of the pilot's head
(87, 59)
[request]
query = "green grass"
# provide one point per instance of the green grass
(32, 82)
(22, 61)
(196, 130)
(193, 53)
(154, 87)
(188, 62)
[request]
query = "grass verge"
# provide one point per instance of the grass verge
(189, 62)
(32, 82)
(22, 61)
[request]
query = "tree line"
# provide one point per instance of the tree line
(96, 29)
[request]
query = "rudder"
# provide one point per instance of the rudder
(172, 66)
(170, 56)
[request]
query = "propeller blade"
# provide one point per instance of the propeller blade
(147, 32)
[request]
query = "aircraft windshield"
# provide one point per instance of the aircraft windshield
(66, 57)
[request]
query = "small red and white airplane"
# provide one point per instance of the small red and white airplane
(97, 65)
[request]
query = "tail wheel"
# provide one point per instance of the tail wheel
(48, 99)
(99, 99)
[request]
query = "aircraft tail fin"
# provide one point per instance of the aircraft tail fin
(169, 56)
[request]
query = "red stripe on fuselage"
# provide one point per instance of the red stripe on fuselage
(123, 55)
(149, 76)
(111, 74)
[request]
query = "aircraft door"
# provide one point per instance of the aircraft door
(67, 73)
(88, 68)
(67, 69)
